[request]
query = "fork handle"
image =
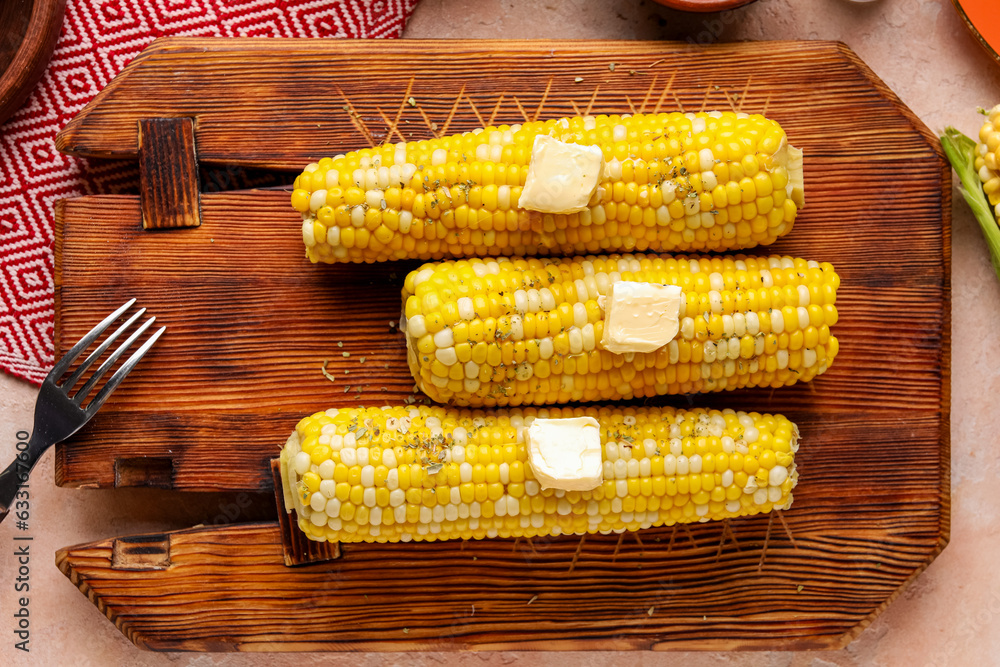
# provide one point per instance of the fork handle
(16, 474)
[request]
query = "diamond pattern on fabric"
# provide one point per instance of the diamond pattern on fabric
(98, 38)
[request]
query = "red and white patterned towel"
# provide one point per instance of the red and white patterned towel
(99, 37)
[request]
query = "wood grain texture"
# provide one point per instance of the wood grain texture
(253, 323)
(283, 103)
(741, 585)
(14, 18)
(168, 173)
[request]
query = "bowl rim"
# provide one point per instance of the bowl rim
(31, 56)
(989, 48)
(704, 6)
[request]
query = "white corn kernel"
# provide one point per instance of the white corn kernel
(317, 501)
(302, 463)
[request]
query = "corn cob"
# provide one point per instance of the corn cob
(499, 332)
(431, 473)
(988, 159)
(671, 181)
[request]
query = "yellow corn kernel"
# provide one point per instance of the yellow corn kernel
(988, 159)
(486, 487)
(747, 322)
(420, 207)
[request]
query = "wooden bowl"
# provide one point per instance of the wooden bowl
(28, 33)
(704, 5)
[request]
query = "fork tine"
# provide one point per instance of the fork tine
(85, 342)
(110, 361)
(120, 374)
(96, 354)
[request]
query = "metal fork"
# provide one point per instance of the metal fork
(59, 411)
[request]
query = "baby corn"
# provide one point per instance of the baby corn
(513, 331)
(977, 167)
(670, 181)
(432, 473)
(988, 159)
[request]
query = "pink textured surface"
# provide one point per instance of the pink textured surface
(948, 617)
(99, 37)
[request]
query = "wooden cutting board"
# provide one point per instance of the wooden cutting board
(250, 323)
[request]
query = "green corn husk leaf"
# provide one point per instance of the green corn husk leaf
(961, 152)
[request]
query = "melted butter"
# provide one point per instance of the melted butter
(561, 177)
(566, 453)
(640, 317)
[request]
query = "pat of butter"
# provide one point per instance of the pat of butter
(640, 317)
(561, 177)
(566, 453)
(790, 157)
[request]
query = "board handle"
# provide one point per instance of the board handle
(168, 173)
(296, 547)
(141, 553)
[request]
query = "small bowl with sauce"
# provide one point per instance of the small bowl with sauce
(983, 21)
(704, 5)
